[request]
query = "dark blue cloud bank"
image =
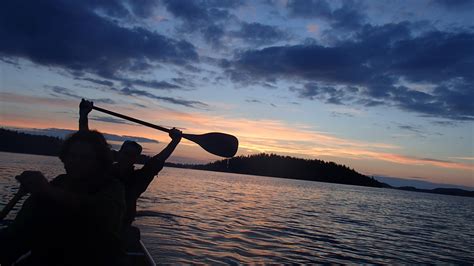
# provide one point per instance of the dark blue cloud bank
(211, 18)
(71, 34)
(84, 38)
(378, 67)
(368, 64)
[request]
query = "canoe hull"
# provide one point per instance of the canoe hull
(137, 254)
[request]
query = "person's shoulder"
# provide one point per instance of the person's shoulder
(60, 179)
(153, 166)
(146, 172)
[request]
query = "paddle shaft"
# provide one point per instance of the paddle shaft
(220, 144)
(6, 210)
(131, 119)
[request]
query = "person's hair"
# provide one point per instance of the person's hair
(133, 144)
(96, 140)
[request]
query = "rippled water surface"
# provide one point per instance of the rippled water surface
(190, 216)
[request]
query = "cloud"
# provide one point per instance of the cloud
(154, 84)
(258, 34)
(187, 103)
(411, 128)
(98, 81)
(281, 137)
(313, 28)
(112, 137)
(418, 131)
(341, 114)
(425, 161)
(192, 13)
(445, 123)
(74, 35)
(375, 68)
(253, 101)
(58, 91)
(464, 158)
(206, 17)
(328, 94)
(455, 4)
(8, 97)
(213, 35)
(298, 139)
(11, 62)
(109, 120)
(200, 14)
(124, 8)
(349, 16)
(309, 9)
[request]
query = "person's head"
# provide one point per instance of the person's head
(85, 154)
(129, 153)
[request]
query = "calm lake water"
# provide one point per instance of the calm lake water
(193, 216)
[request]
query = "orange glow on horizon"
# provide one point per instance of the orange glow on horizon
(255, 136)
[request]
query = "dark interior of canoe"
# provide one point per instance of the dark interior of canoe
(138, 255)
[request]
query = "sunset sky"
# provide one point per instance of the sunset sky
(385, 87)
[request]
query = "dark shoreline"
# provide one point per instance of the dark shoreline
(271, 165)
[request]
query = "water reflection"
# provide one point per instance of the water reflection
(216, 218)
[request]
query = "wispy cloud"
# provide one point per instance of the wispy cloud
(61, 91)
(146, 94)
(35, 100)
(463, 158)
(259, 34)
(110, 120)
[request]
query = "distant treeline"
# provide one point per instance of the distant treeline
(14, 141)
(260, 164)
(444, 191)
(290, 167)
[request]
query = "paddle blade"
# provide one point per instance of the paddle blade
(219, 144)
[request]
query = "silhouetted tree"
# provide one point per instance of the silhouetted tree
(13, 141)
(289, 167)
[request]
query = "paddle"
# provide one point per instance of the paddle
(18, 195)
(219, 144)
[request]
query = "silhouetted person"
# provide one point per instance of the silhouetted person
(135, 181)
(74, 219)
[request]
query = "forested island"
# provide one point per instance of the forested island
(272, 165)
(18, 142)
(290, 167)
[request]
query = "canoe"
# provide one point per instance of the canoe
(136, 254)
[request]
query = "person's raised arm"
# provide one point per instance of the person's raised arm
(175, 135)
(155, 164)
(85, 107)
